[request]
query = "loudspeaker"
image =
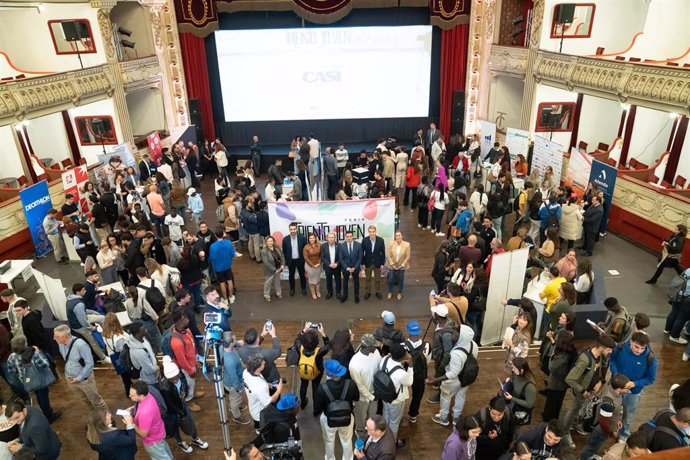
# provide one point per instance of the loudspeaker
(195, 117)
(566, 13)
(457, 114)
(72, 31)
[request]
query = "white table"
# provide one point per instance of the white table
(17, 267)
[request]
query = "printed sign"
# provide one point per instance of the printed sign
(517, 141)
(73, 182)
(487, 136)
(155, 147)
(604, 176)
(579, 168)
(547, 153)
(36, 203)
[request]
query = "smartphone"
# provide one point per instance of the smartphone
(122, 412)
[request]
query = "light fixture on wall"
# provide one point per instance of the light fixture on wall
(516, 33)
(122, 31)
(121, 43)
(16, 5)
(518, 20)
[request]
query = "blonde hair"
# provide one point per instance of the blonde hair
(153, 266)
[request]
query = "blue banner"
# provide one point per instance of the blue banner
(604, 176)
(36, 203)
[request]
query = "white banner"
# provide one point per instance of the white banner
(517, 141)
(579, 167)
(487, 136)
(547, 153)
(322, 217)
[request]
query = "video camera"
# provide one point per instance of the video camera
(289, 450)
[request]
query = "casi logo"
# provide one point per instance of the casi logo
(38, 202)
(328, 76)
(602, 175)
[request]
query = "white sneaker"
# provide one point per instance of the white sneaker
(184, 447)
(686, 357)
(440, 234)
(536, 343)
(238, 254)
(200, 443)
(232, 299)
(679, 340)
(106, 360)
(419, 225)
(428, 227)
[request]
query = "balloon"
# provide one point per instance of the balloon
(370, 210)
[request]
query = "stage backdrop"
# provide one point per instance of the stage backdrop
(322, 217)
(36, 203)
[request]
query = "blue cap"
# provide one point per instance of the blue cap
(413, 328)
(334, 368)
(287, 401)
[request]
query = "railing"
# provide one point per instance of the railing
(140, 70)
(508, 60)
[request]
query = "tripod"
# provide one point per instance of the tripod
(214, 344)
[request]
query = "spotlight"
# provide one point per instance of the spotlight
(517, 32)
(127, 44)
(518, 20)
(122, 31)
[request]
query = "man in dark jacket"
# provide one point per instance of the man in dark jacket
(495, 421)
(330, 253)
(278, 422)
(380, 443)
(174, 389)
(590, 225)
(151, 247)
(672, 430)
(252, 346)
(275, 173)
(35, 435)
(373, 257)
(11, 378)
(388, 335)
(255, 153)
(91, 287)
(100, 218)
(293, 246)
(147, 168)
(133, 256)
(31, 325)
(544, 440)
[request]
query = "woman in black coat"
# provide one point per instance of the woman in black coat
(440, 270)
(111, 443)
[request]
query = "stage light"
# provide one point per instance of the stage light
(518, 20)
(122, 31)
(127, 44)
(517, 32)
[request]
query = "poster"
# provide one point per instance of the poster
(487, 136)
(155, 147)
(517, 141)
(604, 176)
(579, 167)
(36, 203)
(322, 217)
(73, 182)
(547, 153)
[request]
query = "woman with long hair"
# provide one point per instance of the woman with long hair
(584, 281)
(440, 199)
(464, 277)
(109, 442)
(161, 273)
(424, 191)
(560, 362)
(534, 217)
(312, 265)
(342, 349)
(520, 451)
(107, 259)
(565, 304)
(119, 251)
(115, 338)
(550, 250)
(520, 390)
(462, 442)
(307, 343)
(191, 275)
(412, 179)
(138, 309)
(274, 262)
(518, 344)
(521, 167)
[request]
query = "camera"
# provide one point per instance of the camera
(268, 325)
(314, 325)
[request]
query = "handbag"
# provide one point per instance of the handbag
(432, 201)
(115, 359)
(37, 378)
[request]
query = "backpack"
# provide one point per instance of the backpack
(154, 297)
(676, 288)
(552, 222)
(166, 346)
(650, 428)
(307, 364)
(112, 302)
(338, 411)
(220, 214)
(126, 362)
(627, 327)
(516, 201)
(587, 416)
(180, 173)
(418, 360)
(384, 388)
(470, 370)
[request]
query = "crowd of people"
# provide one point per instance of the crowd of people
(147, 231)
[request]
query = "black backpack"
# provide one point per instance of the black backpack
(650, 428)
(112, 302)
(470, 371)
(126, 362)
(552, 222)
(384, 388)
(338, 411)
(154, 297)
(418, 360)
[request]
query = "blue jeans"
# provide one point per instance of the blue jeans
(13, 381)
(594, 442)
(392, 275)
(676, 319)
(498, 227)
(159, 450)
(159, 221)
(630, 403)
(195, 292)
(475, 320)
(181, 211)
(154, 335)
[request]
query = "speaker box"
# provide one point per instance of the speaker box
(457, 115)
(195, 117)
(71, 30)
(566, 13)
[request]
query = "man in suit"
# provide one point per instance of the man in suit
(590, 225)
(432, 135)
(373, 257)
(296, 194)
(293, 245)
(36, 437)
(350, 261)
(330, 255)
(147, 168)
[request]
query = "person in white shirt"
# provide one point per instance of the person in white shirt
(258, 389)
(402, 380)
(342, 157)
(362, 367)
(478, 202)
(450, 382)
(174, 222)
(441, 199)
(437, 149)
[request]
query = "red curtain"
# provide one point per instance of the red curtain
(453, 70)
(196, 75)
(676, 149)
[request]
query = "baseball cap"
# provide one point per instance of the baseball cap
(389, 316)
(287, 401)
(191, 191)
(334, 368)
(413, 328)
(441, 310)
(368, 340)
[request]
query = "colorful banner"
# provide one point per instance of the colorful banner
(579, 169)
(36, 203)
(604, 176)
(73, 182)
(547, 153)
(487, 136)
(155, 147)
(322, 217)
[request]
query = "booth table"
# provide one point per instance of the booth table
(17, 267)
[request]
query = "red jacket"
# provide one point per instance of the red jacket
(412, 178)
(184, 350)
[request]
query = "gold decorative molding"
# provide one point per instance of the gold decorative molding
(105, 26)
(140, 71)
(661, 88)
(508, 60)
(660, 208)
(44, 95)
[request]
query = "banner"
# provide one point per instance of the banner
(322, 217)
(604, 176)
(579, 168)
(155, 147)
(36, 203)
(517, 141)
(73, 182)
(547, 153)
(487, 136)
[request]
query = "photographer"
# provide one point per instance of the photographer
(278, 421)
(252, 346)
(258, 389)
